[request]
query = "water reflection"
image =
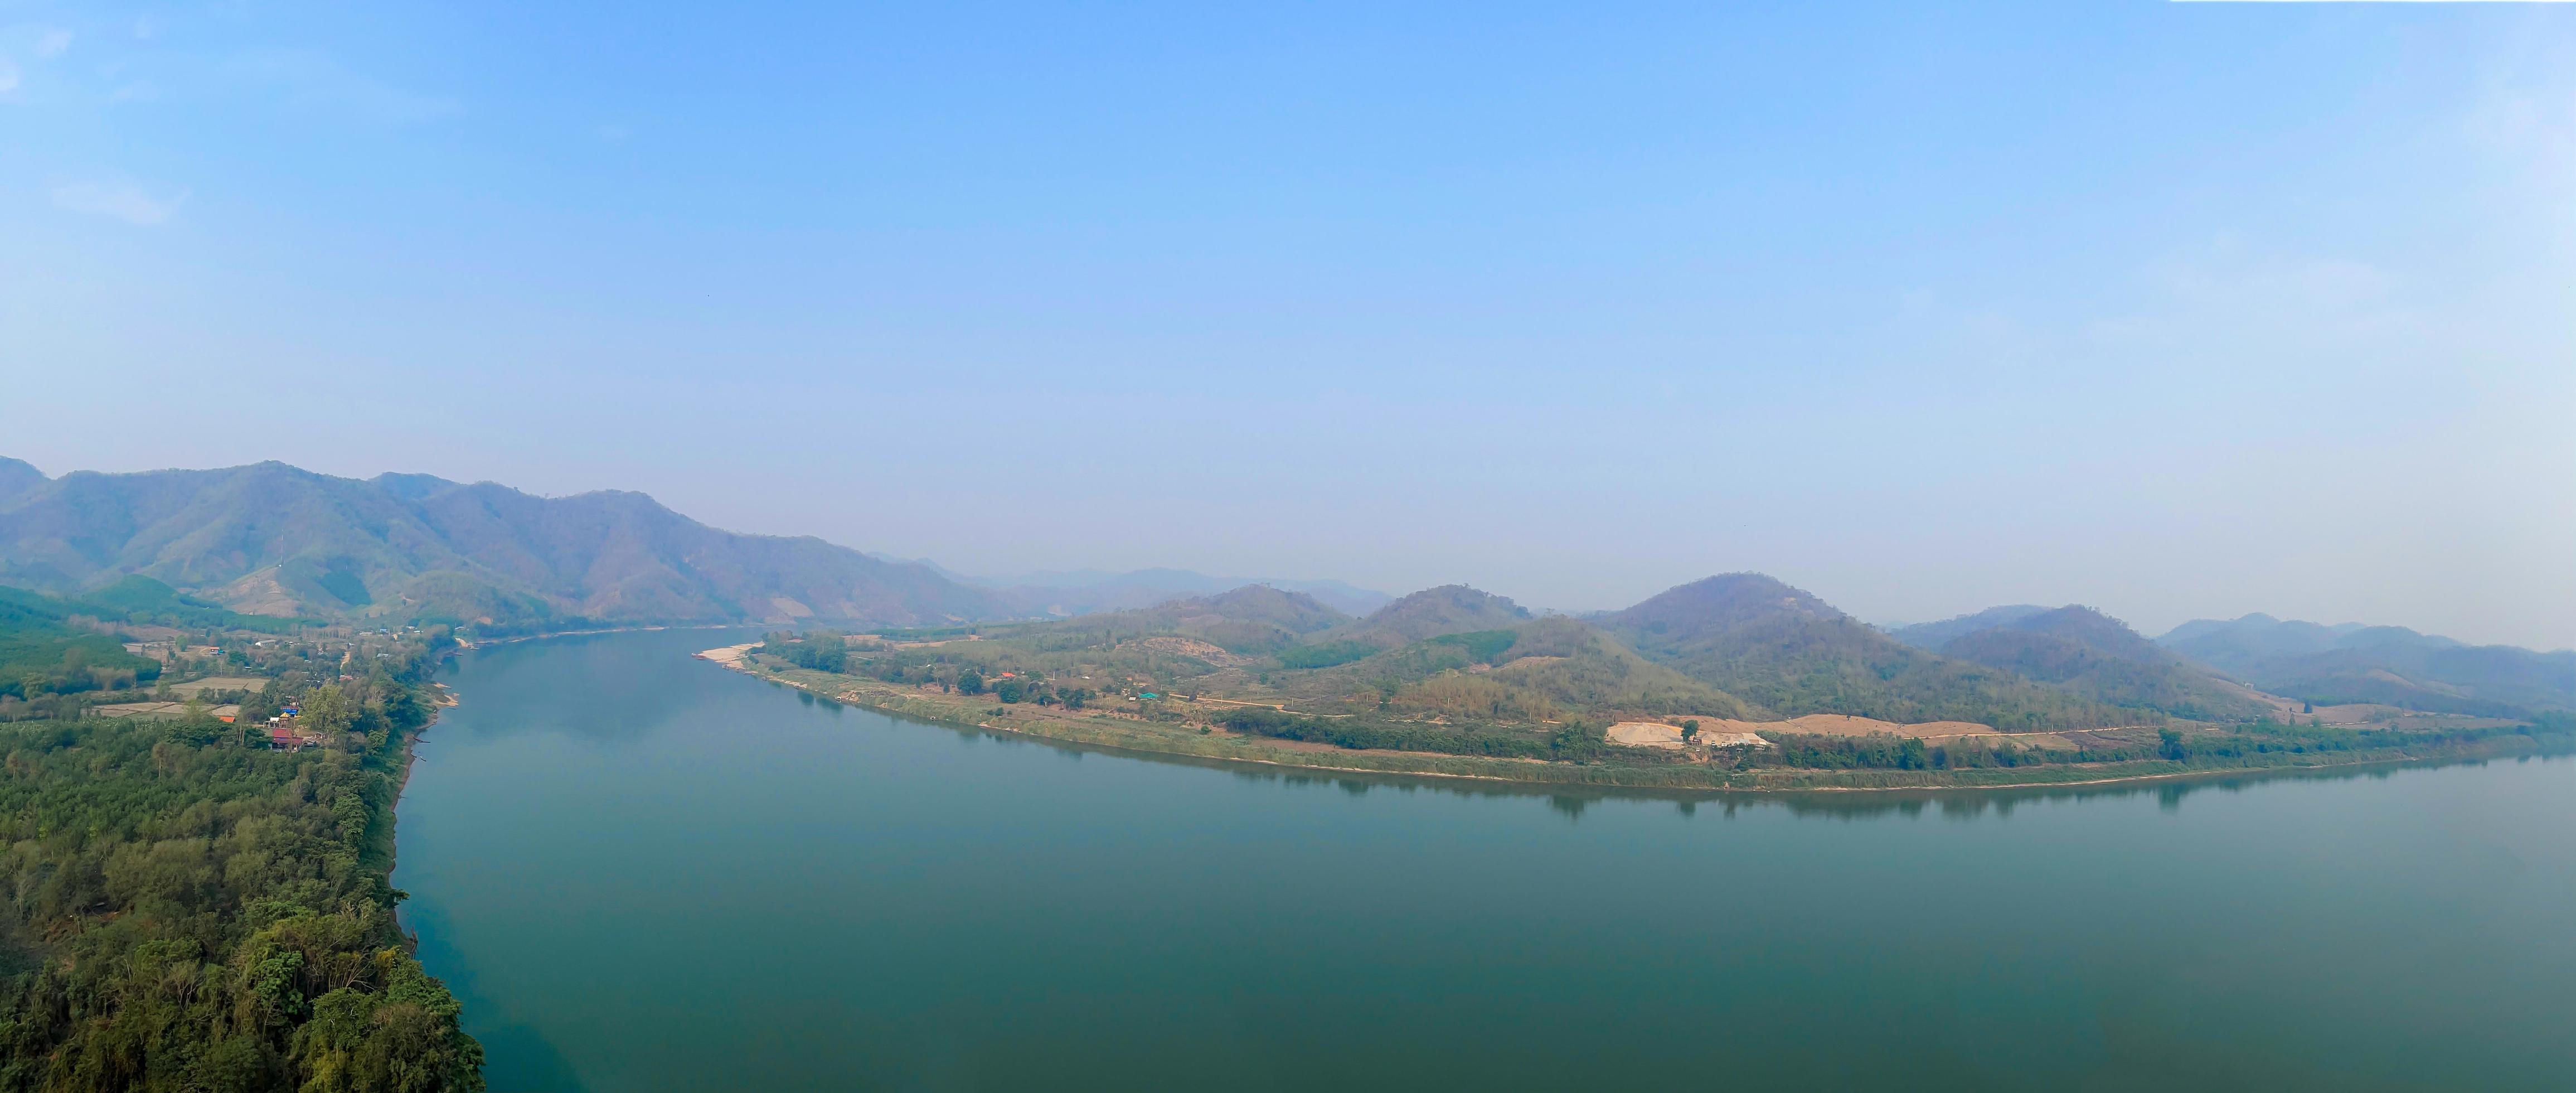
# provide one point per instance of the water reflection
(1961, 804)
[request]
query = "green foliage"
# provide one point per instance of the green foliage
(820, 650)
(2235, 747)
(1325, 654)
(189, 913)
(1481, 646)
(1572, 743)
(140, 599)
(42, 653)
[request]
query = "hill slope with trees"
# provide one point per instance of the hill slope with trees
(2096, 657)
(2393, 665)
(1783, 649)
(274, 539)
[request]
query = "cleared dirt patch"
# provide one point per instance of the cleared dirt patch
(216, 683)
(1656, 734)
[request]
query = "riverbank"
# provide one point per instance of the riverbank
(1121, 732)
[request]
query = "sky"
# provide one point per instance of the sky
(2176, 310)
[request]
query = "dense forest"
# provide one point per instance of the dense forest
(191, 910)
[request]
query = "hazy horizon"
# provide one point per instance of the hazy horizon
(1881, 621)
(2175, 310)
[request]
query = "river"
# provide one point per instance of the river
(644, 872)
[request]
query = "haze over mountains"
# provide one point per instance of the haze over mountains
(1084, 591)
(2384, 664)
(272, 539)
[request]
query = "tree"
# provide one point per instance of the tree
(970, 682)
(1690, 731)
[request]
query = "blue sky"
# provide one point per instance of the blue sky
(2173, 309)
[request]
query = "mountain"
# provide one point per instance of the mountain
(2383, 664)
(1085, 591)
(274, 539)
(1246, 621)
(1932, 635)
(1432, 612)
(2097, 657)
(17, 479)
(1782, 648)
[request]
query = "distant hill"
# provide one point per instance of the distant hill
(17, 478)
(1086, 591)
(1781, 648)
(2383, 664)
(1247, 621)
(1535, 670)
(1432, 612)
(1933, 635)
(273, 539)
(2097, 657)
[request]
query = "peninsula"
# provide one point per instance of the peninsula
(1737, 682)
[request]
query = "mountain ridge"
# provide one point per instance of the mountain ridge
(270, 538)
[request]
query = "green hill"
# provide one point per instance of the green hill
(1783, 649)
(2382, 664)
(275, 540)
(2096, 657)
(1540, 670)
(42, 652)
(1248, 621)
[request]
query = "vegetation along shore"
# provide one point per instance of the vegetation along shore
(1453, 682)
(199, 884)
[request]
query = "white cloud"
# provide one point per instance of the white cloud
(8, 76)
(121, 200)
(53, 42)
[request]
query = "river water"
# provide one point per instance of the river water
(644, 872)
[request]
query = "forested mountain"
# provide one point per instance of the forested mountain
(1083, 592)
(17, 476)
(1251, 620)
(1448, 609)
(2385, 664)
(1535, 669)
(2097, 657)
(273, 539)
(1781, 648)
(1932, 635)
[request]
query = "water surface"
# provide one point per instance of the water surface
(643, 872)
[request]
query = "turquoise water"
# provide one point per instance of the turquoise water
(643, 872)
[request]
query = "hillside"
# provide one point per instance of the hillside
(274, 539)
(2097, 657)
(1537, 670)
(1933, 635)
(1247, 621)
(2383, 664)
(17, 476)
(1448, 609)
(1783, 649)
(43, 652)
(1086, 592)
